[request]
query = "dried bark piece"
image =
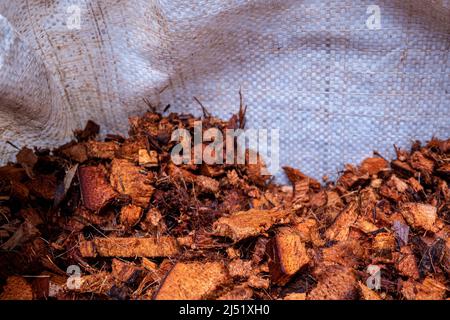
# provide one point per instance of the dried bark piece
(348, 253)
(301, 194)
(148, 159)
(340, 229)
(295, 296)
(239, 292)
(420, 162)
(368, 294)
(244, 224)
(126, 272)
(96, 192)
(373, 165)
(352, 178)
(101, 150)
(130, 247)
(74, 151)
(397, 183)
(90, 131)
(402, 167)
(130, 215)
(419, 215)
(17, 288)
(394, 189)
(192, 281)
(295, 175)
(365, 226)
(335, 284)
(129, 179)
(429, 289)
(384, 244)
(406, 263)
(287, 255)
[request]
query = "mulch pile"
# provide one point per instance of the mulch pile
(116, 219)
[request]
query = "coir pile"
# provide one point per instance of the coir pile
(117, 219)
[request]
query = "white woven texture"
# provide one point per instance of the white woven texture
(334, 87)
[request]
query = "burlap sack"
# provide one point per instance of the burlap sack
(338, 78)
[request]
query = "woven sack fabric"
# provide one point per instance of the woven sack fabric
(338, 79)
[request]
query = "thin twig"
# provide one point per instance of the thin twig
(206, 114)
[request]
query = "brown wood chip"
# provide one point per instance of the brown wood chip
(131, 180)
(192, 281)
(340, 229)
(130, 247)
(95, 190)
(287, 255)
(244, 224)
(335, 284)
(17, 288)
(419, 215)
